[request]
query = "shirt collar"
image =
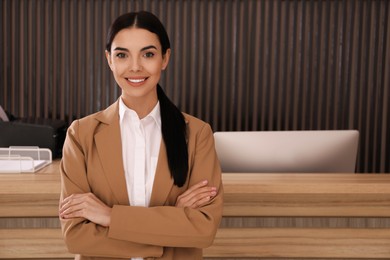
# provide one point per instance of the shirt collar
(154, 114)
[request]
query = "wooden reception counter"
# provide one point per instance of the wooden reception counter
(266, 216)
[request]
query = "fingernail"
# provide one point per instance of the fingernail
(205, 182)
(213, 193)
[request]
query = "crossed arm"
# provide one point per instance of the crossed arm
(88, 206)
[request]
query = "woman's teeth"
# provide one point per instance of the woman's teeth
(136, 80)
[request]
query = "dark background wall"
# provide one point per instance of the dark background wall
(240, 65)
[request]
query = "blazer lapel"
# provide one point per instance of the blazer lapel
(109, 148)
(163, 181)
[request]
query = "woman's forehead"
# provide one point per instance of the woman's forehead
(135, 38)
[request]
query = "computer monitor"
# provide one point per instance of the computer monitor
(332, 151)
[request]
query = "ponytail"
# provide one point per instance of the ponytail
(174, 134)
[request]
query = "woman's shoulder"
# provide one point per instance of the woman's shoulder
(195, 124)
(90, 118)
(194, 121)
(87, 121)
(105, 116)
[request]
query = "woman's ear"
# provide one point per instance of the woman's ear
(108, 57)
(166, 57)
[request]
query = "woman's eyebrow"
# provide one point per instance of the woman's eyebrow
(143, 49)
(121, 49)
(149, 47)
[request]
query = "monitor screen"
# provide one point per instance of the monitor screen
(330, 151)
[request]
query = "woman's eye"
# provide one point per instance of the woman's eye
(149, 54)
(121, 55)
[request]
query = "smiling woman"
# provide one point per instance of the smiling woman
(141, 179)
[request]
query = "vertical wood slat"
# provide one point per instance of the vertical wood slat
(240, 65)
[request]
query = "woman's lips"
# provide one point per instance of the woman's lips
(136, 81)
(139, 80)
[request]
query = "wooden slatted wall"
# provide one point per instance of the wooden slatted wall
(238, 64)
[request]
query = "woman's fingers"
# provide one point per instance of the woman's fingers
(72, 204)
(200, 197)
(201, 202)
(195, 187)
(71, 201)
(87, 206)
(200, 193)
(196, 195)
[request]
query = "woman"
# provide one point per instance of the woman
(140, 180)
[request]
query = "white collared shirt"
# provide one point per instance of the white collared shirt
(141, 139)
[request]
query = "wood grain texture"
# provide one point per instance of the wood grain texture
(301, 243)
(30, 194)
(331, 195)
(300, 195)
(32, 243)
(229, 242)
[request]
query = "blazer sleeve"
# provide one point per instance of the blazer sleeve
(170, 226)
(82, 236)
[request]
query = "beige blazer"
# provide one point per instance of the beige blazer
(92, 162)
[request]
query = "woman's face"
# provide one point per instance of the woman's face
(136, 61)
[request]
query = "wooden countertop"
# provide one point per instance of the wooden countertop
(246, 194)
(36, 195)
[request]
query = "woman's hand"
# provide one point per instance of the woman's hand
(85, 205)
(196, 196)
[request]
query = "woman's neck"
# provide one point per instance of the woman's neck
(141, 106)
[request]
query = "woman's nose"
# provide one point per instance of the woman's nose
(135, 64)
